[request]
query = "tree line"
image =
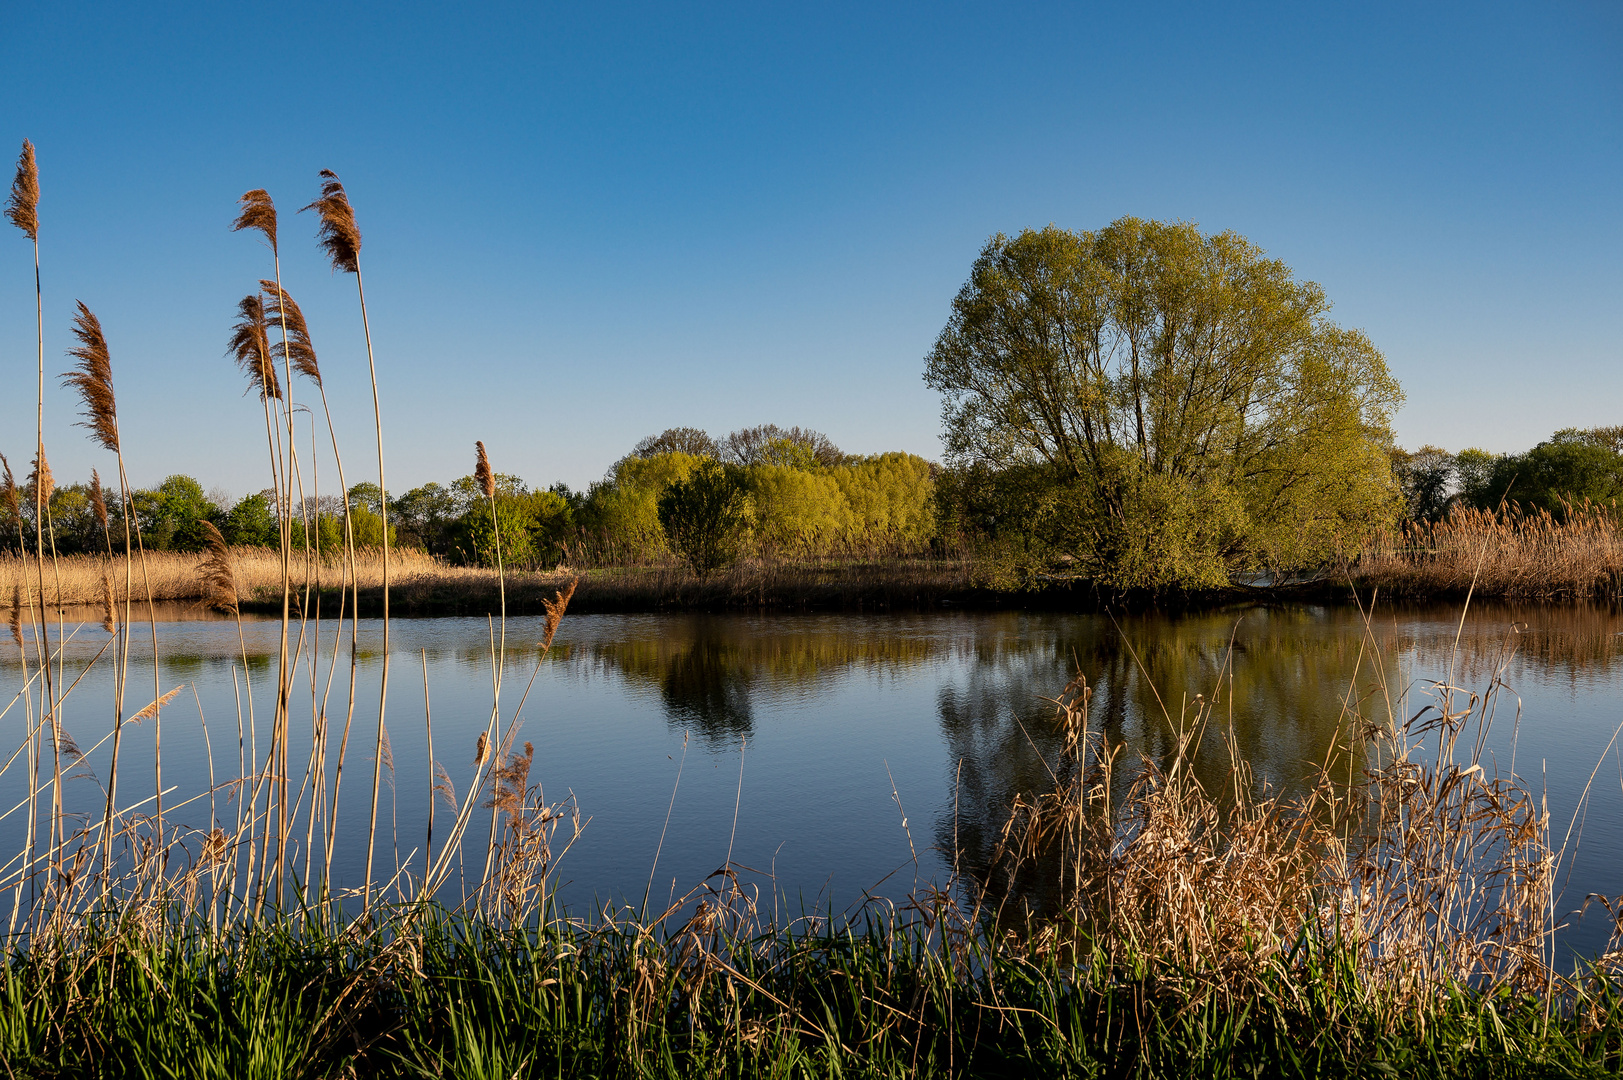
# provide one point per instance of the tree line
(1572, 466)
(790, 492)
(1145, 407)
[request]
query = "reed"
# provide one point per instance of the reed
(1509, 552)
(340, 238)
(1393, 919)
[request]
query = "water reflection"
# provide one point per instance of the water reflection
(708, 669)
(950, 707)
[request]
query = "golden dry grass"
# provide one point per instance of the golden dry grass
(179, 575)
(1513, 553)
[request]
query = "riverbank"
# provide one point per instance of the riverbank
(1509, 555)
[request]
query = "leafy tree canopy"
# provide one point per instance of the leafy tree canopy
(1184, 404)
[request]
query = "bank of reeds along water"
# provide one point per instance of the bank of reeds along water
(1511, 553)
(177, 575)
(1400, 916)
(423, 585)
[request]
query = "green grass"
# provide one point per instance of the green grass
(445, 997)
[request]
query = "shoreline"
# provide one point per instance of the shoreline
(422, 587)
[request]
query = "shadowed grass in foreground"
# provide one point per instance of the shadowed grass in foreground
(447, 997)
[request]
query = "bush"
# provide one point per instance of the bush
(704, 516)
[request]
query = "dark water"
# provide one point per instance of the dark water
(841, 753)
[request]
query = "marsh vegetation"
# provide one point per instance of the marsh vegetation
(1391, 912)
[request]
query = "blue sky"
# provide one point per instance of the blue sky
(585, 223)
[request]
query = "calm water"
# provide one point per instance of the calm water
(844, 753)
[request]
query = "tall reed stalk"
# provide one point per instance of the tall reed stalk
(92, 377)
(340, 238)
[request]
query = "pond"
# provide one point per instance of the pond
(837, 755)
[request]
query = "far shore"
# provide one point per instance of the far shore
(421, 587)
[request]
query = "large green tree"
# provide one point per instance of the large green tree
(1188, 407)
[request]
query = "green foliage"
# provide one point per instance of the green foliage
(426, 516)
(877, 1000)
(171, 514)
(368, 528)
(1473, 473)
(368, 496)
(1148, 369)
(704, 515)
(623, 512)
(891, 497)
(793, 510)
(250, 523)
(1425, 477)
(1570, 466)
(534, 525)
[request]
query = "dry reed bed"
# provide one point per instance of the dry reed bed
(174, 575)
(420, 584)
(1509, 553)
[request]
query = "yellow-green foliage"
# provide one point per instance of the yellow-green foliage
(797, 510)
(891, 497)
(626, 508)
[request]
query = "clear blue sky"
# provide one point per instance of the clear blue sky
(585, 223)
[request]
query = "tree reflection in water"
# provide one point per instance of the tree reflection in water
(1282, 679)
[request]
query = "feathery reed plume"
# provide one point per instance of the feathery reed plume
(23, 206)
(218, 578)
(258, 212)
(93, 378)
(250, 347)
(338, 236)
(17, 615)
(8, 487)
(109, 617)
(508, 784)
(152, 710)
(482, 474)
(297, 349)
(386, 750)
(555, 609)
(68, 748)
(443, 787)
(41, 484)
(98, 500)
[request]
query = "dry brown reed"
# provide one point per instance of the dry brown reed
(258, 213)
(109, 613)
(155, 705)
(93, 379)
(41, 484)
(8, 487)
(258, 572)
(338, 235)
(1414, 859)
(481, 472)
(555, 609)
(23, 205)
(297, 348)
(98, 500)
(250, 347)
(215, 573)
(1529, 554)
